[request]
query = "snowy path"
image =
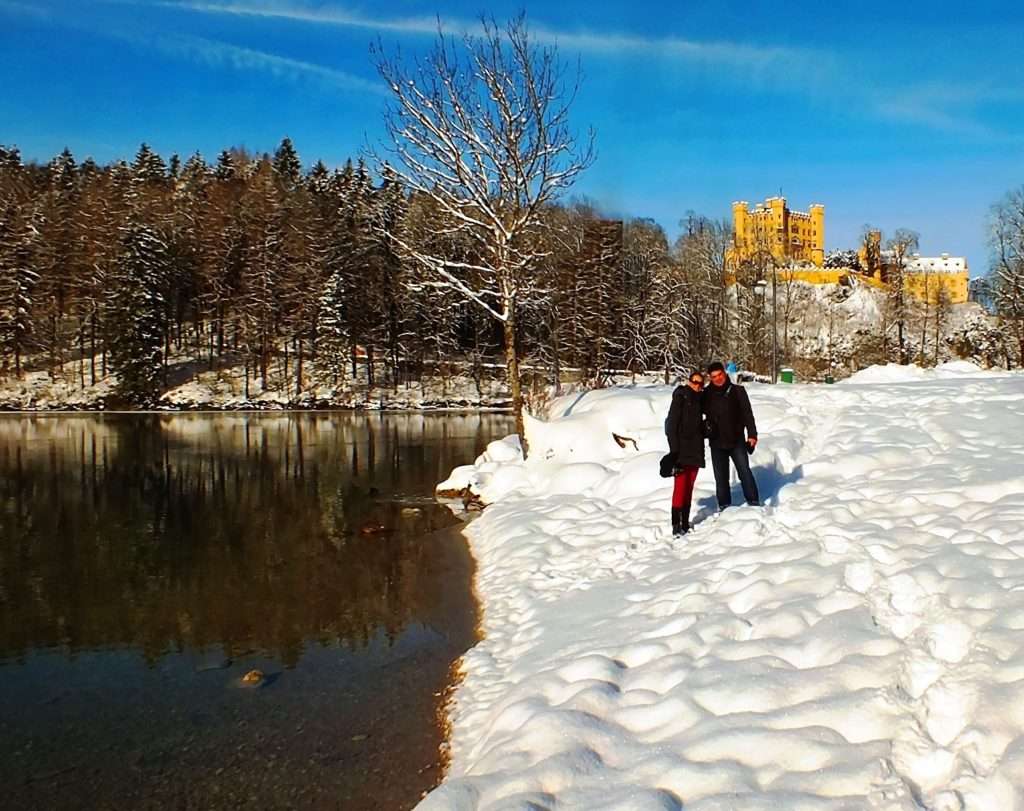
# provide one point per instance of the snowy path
(854, 645)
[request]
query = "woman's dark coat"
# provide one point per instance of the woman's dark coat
(685, 427)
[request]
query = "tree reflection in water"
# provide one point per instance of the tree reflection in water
(167, 533)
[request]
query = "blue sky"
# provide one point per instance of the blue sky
(905, 114)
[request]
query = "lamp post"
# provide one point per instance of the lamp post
(775, 327)
(760, 287)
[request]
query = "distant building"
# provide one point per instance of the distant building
(790, 237)
(925, 276)
(795, 240)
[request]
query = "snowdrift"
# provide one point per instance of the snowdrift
(856, 643)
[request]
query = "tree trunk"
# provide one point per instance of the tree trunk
(81, 356)
(286, 377)
(264, 358)
(512, 371)
(92, 348)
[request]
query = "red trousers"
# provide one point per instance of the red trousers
(682, 491)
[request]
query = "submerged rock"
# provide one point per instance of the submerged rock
(253, 678)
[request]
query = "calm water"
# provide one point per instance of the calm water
(148, 562)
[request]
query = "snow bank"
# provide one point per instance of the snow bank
(855, 644)
(894, 373)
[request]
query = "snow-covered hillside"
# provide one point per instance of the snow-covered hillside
(821, 321)
(857, 643)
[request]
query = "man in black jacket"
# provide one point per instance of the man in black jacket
(728, 412)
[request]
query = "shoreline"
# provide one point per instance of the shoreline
(276, 409)
(458, 671)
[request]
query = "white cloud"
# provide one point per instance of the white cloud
(331, 15)
(823, 77)
(949, 107)
(222, 54)
(722, 53)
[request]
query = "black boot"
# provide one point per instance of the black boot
(680, 525)
(684, 519)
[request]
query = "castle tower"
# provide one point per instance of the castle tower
(777, 227)
(740, 223)
(817, 212)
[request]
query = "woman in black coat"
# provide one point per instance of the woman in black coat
(686, 430)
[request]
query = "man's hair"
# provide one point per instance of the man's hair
(715, 366)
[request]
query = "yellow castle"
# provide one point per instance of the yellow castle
(771, 227)
(795, 241)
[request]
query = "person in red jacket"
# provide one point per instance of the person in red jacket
(686, 430)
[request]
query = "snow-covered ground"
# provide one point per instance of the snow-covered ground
(858, 643)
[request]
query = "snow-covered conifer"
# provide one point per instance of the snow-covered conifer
(136, 314)
(286, 164)
(18, 281)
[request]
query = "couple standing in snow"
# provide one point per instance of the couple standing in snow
(722, 414)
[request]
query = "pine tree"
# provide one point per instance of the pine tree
(59, 259)
(261, 267)
(385, 215)
(332, 334)
(148, 167)
(10, 158)
(287, 165)
(18, 282)
(318, 179)
(227, 168)
(136, 314)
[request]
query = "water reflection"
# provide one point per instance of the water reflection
(165, 533)
(147, 562)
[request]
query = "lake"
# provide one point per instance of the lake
(149, 562)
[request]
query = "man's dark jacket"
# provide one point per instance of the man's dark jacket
(685, 428)
(728, 412)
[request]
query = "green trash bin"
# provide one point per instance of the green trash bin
(829, 379)
(786, 375)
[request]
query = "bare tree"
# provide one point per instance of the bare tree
(700, 251)
(901, 246)
(645, 250)
(1006, 239)
(943, 310)
(481, 126)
